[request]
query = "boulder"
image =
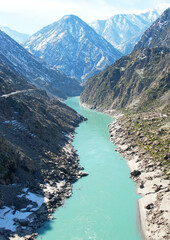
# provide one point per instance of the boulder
(149, 206)
(157, 187)
(23, 222)
(83, 174)
(135, 173)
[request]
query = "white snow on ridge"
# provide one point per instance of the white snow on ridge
(70, 40)
(41, 46)
(149, 40)
(121, 30)
(61, 35)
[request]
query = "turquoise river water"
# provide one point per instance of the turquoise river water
(104, 204)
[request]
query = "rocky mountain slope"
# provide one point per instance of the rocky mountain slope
(17, 36)
(31, 115)
(36, 71)
(72, 47)
(136, 81)
(36, 155)
(123, 31)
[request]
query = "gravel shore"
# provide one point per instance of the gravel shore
(152, 184)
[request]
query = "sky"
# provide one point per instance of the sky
(29, 16)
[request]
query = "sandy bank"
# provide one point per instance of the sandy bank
(152, 185)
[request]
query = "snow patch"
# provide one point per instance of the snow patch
(100, 62)
(61, 35)
(149, 40)
(66, 135)
(18, 126)
(7, 216)
(39, 200)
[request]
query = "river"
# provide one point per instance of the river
(104, 204)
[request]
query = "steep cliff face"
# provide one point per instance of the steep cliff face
(10, 81)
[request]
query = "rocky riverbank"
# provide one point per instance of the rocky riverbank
(38, 164)
(149, 171)
(28, 208)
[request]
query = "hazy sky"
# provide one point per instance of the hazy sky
(31, 15)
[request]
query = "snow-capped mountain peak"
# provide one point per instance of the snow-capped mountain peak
(72, 46)
(123, 31)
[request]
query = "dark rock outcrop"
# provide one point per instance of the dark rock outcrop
(135, 173)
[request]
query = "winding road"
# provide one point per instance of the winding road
(17, 92)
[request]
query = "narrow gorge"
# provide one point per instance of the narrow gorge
(103, 204)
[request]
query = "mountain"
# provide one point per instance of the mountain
(158, 34)
(30, 118)
(73, 47)
(35, 70)
(123, 31)
(17, 36)
(137, 81)
(35, 154)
